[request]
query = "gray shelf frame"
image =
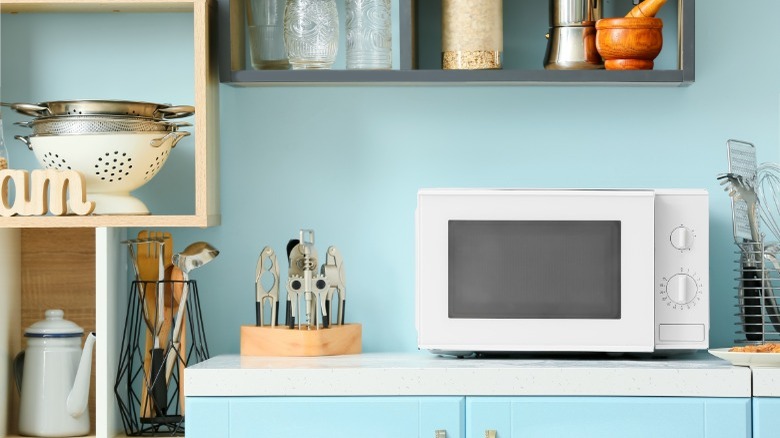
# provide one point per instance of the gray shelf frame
(233, 71)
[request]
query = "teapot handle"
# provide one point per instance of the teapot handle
(18, 370)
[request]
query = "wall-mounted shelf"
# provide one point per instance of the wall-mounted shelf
(206, 120)
(419, 25)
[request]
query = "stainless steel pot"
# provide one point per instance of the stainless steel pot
(103, 107)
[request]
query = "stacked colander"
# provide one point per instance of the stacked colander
(117, 145)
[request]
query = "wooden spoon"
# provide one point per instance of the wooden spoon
(173, 293)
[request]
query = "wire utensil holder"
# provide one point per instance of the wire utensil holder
(758, 283)
(135, 388)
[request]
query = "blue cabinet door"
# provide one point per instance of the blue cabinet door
(766, 417)
(327, 417)
(608, 417)
(206, 417)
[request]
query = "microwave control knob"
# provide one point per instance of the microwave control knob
(681, 288)
(682, 238)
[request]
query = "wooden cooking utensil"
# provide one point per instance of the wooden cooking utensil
(648, 8)
(149, 258)
(175, 274)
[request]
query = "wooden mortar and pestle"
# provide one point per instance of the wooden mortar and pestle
(631, 42)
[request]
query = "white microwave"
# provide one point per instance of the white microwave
(562, 270)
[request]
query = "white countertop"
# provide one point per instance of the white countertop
(766, 382)
(386, 374)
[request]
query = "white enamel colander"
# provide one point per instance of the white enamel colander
(113, 163)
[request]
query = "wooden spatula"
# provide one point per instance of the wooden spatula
(151, 267)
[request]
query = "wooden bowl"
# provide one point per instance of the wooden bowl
(629, 43)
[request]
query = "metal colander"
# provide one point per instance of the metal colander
(98, 124)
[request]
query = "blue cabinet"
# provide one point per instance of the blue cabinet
(471, 417)
(766, 417)
(324, 417)
(609, 417)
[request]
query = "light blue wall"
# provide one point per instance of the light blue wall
(347, 161)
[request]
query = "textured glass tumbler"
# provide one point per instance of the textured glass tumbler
(369, 34)
(311, 33)
(265, 20)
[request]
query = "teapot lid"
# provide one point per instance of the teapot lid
(54, 326)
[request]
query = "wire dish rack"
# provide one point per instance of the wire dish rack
(758, 285)
(135, 387)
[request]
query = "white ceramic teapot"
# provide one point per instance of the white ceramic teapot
(54, 383)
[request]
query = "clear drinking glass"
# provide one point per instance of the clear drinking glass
(311, 33)
(369, 34)
(265, 19)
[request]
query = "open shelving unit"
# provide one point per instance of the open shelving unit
(206, 120)
(419, 30)
(42, 257)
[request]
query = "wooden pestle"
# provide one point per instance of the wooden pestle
(648, 8)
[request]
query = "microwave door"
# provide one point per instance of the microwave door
(531, 270)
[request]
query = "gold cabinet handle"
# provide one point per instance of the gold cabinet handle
(440, 433)
(490, 433)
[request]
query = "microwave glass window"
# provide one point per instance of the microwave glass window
(534, 269)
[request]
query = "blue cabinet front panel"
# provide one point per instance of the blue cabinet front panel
(344, 417)
(727, 417)
(766, 417)
(607, 417)
(207, 417)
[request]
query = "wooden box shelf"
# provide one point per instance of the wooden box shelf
(98, 261)
(205, 187)
(80, 272)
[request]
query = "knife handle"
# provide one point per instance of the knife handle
(275, 317)
(157, 379)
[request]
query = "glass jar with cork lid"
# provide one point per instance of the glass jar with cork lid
(472, 34)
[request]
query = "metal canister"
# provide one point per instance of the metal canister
(472, 34)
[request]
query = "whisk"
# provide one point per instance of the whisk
(768, 190)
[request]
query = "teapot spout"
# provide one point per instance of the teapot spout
(79, 394)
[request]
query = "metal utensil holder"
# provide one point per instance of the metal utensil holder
(758, 283)
(132, 379)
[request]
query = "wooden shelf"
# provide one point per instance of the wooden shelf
(206, 118)
(108, 221)
(419, 29)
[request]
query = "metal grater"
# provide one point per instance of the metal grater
(742, 162)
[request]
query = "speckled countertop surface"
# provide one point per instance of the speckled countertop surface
(383, 374)
(766, 382)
